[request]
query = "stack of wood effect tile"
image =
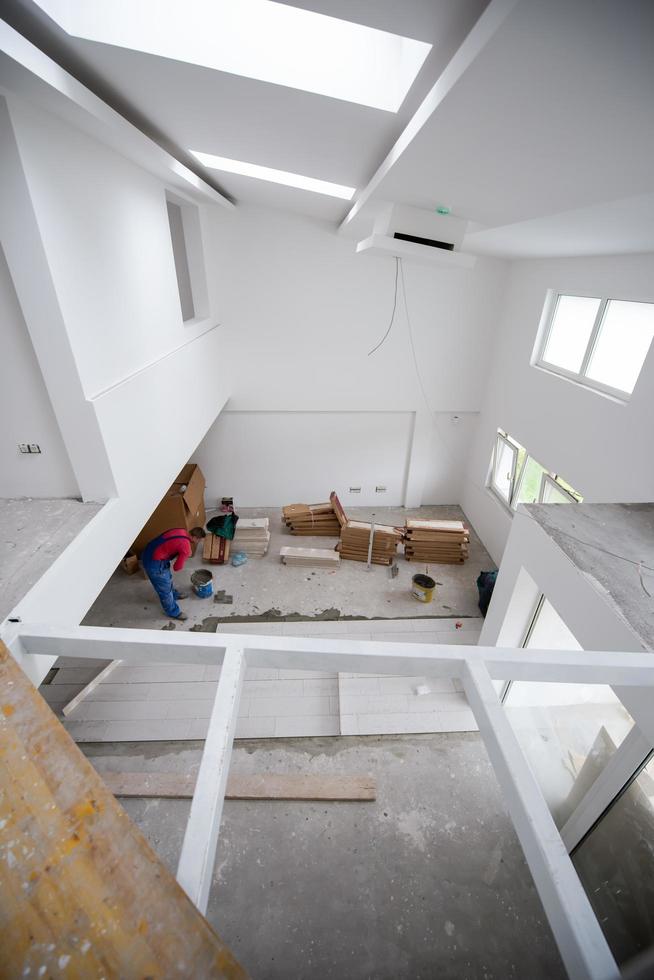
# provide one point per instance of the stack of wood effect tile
(252, 536)
(215, 550)
(310, 557)
(312, 519)
(355, 542)
(436, 542)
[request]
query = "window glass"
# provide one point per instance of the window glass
(572, 325)
(530, 482)
(568, 732)
(624, 339)
(616, 866)
(503, 468)
(554, 495)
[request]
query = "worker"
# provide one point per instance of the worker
(178, 543)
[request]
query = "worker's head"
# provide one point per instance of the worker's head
(197, 533)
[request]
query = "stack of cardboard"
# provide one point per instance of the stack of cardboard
(183, 506)
(252, 536)
(314, 557)
(355, 542)
(312, 519)
(215, 549)
(441, 542)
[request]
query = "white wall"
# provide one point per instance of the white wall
(89, 249)
(302, 311)
(27, 414)
(277, 458)
(602, 447)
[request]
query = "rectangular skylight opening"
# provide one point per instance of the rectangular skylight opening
(274, 176)
(259, 39)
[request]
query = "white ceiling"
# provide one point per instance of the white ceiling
(545, 143)
(270, 125)
(555, 115)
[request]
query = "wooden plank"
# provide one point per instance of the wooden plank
(257, 786)
(82, 893)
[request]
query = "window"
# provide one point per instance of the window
(599, 342)
(517, 478)
(186, 240)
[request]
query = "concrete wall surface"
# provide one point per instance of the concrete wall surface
(599, 445)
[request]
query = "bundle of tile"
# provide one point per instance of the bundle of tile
(314, 557)
(440, 542)
(312, 519)
(215, 550)
(252, 536)
(355, 542)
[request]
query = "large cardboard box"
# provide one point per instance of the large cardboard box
(183, 506)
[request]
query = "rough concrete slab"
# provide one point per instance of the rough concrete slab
(608, 543)
(33, 534)
(427, 882)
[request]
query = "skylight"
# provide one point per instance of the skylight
(259, 39)
(275, 176)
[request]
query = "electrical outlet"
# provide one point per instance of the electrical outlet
(34, 448)
(23, 447)
(380, 489)
(355, 489)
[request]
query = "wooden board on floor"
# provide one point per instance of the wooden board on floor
(259, 786)
(82, 894)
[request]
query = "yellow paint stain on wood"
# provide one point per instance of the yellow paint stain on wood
(81, 892)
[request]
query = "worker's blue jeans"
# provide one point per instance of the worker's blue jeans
(161, 577)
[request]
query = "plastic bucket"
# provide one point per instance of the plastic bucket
(422, 588)
(202, 582)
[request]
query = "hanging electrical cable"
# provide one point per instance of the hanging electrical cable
(413, 349)
(392, 314)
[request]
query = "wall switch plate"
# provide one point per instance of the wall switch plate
(380, 489)
(23, 447)
(355, 489)
(34, 448)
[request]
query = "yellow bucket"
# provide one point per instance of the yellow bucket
(422, 588)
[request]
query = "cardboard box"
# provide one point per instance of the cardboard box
(182, 506)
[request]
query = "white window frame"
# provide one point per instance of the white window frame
(551, 479)
(502, 438)
(517, 475)
(580, 377)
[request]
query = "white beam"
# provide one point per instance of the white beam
(579, 937)
(489, 22)
(440, 660)
(91, 686)
(27, 71)
(196, 862)
(625, 761)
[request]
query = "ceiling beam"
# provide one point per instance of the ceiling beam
(490, 21)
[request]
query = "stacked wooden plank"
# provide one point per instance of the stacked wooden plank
(355, 542)
(252, 536)
(215, 550)
(312, 519)
(439, 542)
(310, 557)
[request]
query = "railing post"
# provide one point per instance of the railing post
(196, 862)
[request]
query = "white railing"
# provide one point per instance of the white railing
(579, 937)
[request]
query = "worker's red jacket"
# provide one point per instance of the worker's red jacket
(179, 547)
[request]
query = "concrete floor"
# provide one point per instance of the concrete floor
(429, 881)
(34, 533)
(264, 584)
